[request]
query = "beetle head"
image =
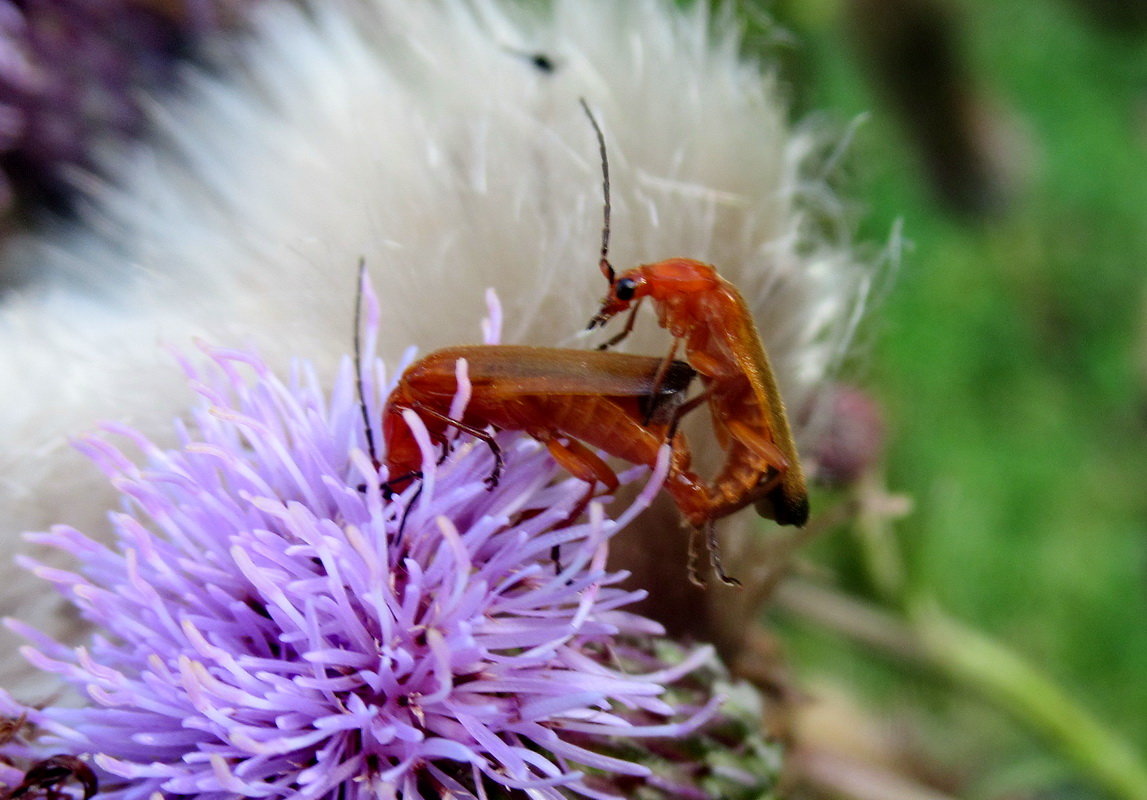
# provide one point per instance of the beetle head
(623, 290)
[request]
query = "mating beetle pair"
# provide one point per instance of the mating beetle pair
(627, 406)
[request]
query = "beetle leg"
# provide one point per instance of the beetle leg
(555, 551)
(445, 454)
(658, 378)
(695, 576)
(388, 490)
(579, 461)
(406, 513)
(388, 493)
(629, 323)
(714, 547)
(685, 408)
(705, 363)
(715, 554)
(496, 474)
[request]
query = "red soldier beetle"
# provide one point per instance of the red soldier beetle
(707, 314)
(569, 400)
(700, 308)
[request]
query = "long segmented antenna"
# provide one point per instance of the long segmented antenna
(603, 263)
(358, 360)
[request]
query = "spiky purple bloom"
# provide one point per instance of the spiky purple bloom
(263, 631)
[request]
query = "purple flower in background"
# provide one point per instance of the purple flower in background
(851, 441)
(263, 631)
(72, 73)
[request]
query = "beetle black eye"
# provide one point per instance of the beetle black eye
(625, 289)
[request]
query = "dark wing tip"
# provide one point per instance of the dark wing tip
(784, 507)
(677, 377)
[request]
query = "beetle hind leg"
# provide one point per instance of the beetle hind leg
(714, 548)
(581, 462)
(695, 576)
(715, 555)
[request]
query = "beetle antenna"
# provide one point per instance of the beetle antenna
(358, 360)
(603, 262)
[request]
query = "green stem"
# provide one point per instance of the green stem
(1031, 696)
(977, 661)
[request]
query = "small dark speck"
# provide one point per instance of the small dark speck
(543, 63)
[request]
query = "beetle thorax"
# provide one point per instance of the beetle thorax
(677, 276)
(677, 287)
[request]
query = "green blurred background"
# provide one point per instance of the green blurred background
(1008, 354)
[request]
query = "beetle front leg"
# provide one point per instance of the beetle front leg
(683, 409)
(499, 463)
(659, 379)
(629, 323)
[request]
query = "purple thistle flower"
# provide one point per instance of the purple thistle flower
(262, 631)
